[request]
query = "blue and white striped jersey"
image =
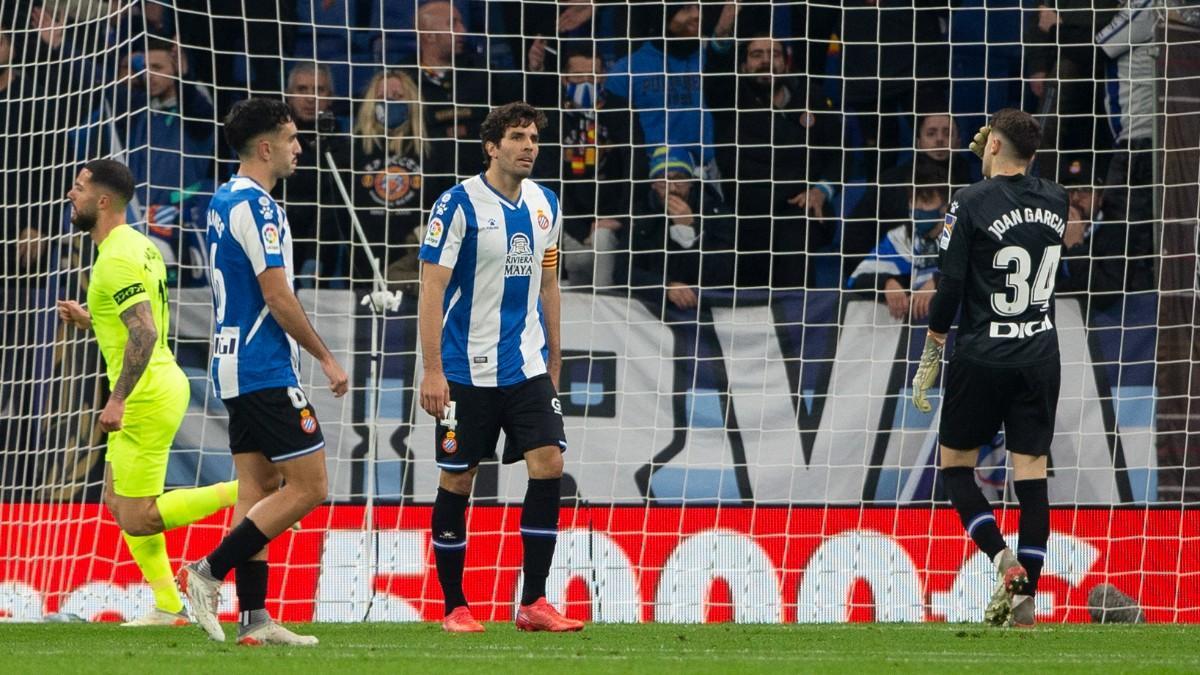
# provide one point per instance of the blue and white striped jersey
(493, 333)
(247, 233)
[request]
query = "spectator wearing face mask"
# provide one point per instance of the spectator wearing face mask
(384, 157)
(903, 266)
(585, 159)
(884, 206)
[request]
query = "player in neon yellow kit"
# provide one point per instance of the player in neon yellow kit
(127, 308)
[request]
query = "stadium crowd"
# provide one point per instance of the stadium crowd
(695, 146)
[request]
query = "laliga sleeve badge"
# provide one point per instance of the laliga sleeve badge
(450, 443)
(308, 423)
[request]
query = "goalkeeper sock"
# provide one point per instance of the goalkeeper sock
(240, 545)
(150, 554)
(1034, 528)
(252, 592)
(449, 524)
(973, 509)
(181, 507)
(539, 534)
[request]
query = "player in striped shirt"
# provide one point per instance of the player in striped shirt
(260, 325)
(488, 318)
(127, 308)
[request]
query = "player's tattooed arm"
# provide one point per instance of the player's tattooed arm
(139, 320)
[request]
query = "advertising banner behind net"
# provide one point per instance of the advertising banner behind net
(630, 564)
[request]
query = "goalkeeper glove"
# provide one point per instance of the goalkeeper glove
(927, 372)
(980, 141)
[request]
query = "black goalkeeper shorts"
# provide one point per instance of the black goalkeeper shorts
(979, 398)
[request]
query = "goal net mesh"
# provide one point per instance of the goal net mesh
(752, 195)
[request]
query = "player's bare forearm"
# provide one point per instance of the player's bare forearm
(285, 307)
(434, 280)
(139, 321)
(552, 307)
(435, 390)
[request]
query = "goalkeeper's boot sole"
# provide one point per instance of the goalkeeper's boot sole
(1023, 614)
(1013, 581)
(999, 607)
(271, 633)
(204, 594)
(159, 617)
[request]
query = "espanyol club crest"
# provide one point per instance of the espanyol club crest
(543, 221)
(449, 443)
(308, 423)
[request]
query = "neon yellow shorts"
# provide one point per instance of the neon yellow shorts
(138, 452)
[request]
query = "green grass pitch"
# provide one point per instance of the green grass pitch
(654, 648)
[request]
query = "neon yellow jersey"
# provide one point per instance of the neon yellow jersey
(128, 270)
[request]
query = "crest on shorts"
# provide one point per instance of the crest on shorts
(450, 443)
(308, 423)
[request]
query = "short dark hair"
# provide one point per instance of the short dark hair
(251, 118)
(507, 116)
(744, 44)
(931, 179)
(158, 44)
(1021, 130)
(112, 175)
(576, 49)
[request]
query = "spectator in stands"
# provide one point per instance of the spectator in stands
(1094, 242)
(385, 157)
(169, 125)
(455, 93)
(1129, 192)
(903, 265)
(1061, 52)
(885, 206)
(1083, 216)
(670, 106)
(783, 148)
(241, 44)
(24, 245)
(395, 25)
(893, 56)
(319, 230)
(49, 95)
(683, 233)
(586, 147)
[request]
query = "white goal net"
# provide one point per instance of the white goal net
(750, 194)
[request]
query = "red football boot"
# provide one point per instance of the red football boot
(461, 621)
(541, 616)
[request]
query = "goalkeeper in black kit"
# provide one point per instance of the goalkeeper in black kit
(1000, 252)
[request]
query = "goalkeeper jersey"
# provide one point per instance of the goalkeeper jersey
(129, 269)
(1003, 240)
(493, 333)
(248, 232)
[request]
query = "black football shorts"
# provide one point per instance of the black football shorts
(529, 413)
(279, 422)
(979, 398)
